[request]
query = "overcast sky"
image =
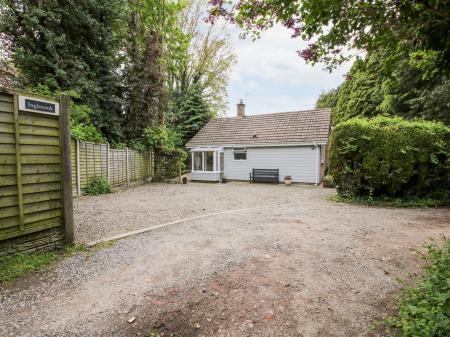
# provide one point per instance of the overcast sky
(270, 77)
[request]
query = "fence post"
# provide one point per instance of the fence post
(95, 161)
(78, 168)
(18, 163)
(108, 172)
(142, 165)
(66, 169)
(126, 166)
(86, 155)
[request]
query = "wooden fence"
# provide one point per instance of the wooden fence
(117, 166)
(35, 192)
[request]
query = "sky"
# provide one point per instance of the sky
(270, 77)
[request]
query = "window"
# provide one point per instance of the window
(203, 161)
(240, 153)
(198, 161)
(209, 161)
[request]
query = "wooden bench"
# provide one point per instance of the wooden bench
(264, 175)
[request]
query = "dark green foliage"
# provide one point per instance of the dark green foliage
(97, 185)
(418, 87)
(424, 310)
(146, 104)
(390, 157)
(70, 45)
(191, 113)
(160, 137)
(398, 82)
(81, 126)
(119, 59)
(327, 99)
(360, 94)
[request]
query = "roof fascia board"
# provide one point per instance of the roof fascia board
(257, 145)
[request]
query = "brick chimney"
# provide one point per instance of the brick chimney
(241, 109)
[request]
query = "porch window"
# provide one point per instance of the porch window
(209, 161)
(198, 161)
(240, 153)
(205, 161)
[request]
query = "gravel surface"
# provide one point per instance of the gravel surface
(313, 269)
(152, 204)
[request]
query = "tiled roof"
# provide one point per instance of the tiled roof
(275, 128)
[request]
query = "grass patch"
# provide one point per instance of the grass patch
(18, 265)
(14, 266)
(416, 202)
(423, 310)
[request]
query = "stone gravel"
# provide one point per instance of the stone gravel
(152, 204)
(340, 263)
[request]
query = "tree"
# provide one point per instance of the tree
(209, 57)
(407, 68)
(360, 94)
(68, 45)
(327, 99)
(336, 26)
(154, 41)
(410, 88)
(192, 113)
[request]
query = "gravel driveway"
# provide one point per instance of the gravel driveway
(311, 268)
(152, 204)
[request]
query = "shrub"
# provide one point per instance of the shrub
(98, 185)
(391, 157)
(424, 310)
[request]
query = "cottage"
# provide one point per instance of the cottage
(295, 143)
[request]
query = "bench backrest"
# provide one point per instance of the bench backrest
(265, 171)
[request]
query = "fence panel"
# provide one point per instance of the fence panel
(32, 172)
(118, 166)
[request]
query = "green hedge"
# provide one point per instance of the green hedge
(391, 157)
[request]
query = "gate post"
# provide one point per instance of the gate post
(66, 169)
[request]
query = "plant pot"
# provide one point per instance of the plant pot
(328, 182)
(184, 180)
(287, 180)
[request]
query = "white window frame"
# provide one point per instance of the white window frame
(216, 157)
(239, 150)
(201, 161)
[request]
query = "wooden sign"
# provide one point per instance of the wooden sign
(38, 105)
